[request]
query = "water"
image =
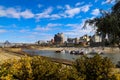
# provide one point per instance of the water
(115, 57)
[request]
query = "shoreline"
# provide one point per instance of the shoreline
(17, 53)
(104, 49)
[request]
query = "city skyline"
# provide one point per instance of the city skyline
(29, 21)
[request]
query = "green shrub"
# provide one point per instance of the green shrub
(39, 68)
(95, 68)
(36, 68)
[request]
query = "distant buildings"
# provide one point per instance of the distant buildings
(40, 42)
(85, 40)
(96, 38)
(73, 40)
(7, 44)
(59, 38)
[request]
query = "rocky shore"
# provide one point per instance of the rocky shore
(104, 49)
(17, 53)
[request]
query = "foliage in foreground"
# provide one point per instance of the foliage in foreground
(95, 68)
(38, 68)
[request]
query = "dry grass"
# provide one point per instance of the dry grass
(10, 53)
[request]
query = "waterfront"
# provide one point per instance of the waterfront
(115, 57)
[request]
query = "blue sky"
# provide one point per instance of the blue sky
(32, 20)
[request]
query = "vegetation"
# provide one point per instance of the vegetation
(96, 68)
(108, 24)
(38, 68)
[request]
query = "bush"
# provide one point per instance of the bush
(36, 68)
(95, 68)
(39, 68)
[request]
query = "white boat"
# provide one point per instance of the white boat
(96, 51)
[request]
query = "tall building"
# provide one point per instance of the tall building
(59, 38)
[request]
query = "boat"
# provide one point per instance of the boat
(96, 52)
(77, 52)
(72, 52)
(60, 51)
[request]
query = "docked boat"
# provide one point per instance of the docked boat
(96, 52)
(72, 52)
(77, 52)
(60, 51)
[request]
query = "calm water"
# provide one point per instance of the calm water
(115, 57)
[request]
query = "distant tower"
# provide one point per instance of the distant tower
(59, 38)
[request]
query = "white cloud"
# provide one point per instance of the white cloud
(107, 2)
(53, 25)
(3, 30)
(59, 7)
(67, 6)
(67, 12)
(72, 12)
(79, 3)
(73, 25)
(55, 16)
(49, 26)
(44, 14)
(47, 13)
(85, 8)
(27, 14)
(95, 12)
(12, 13)
(77, 30)
(39, 28)
(2, 11)
(15, 13)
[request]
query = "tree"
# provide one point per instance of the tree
(95, 68)
(108, 23)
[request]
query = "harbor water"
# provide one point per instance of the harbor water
(115, 57)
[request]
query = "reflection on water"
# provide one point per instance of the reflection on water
(115, 57)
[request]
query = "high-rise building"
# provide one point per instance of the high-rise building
(59, 38)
